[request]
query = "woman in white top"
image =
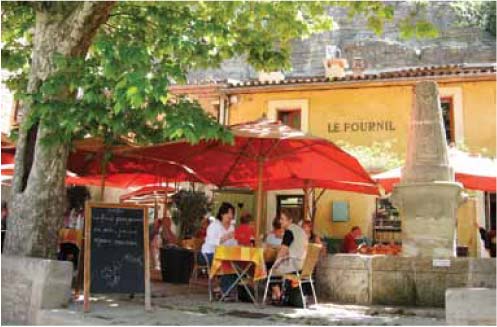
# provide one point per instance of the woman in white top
(220, 232)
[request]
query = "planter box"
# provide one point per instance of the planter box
(30, 285)
(176, 265)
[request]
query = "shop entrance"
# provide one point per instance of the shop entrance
(490, 210)
(293, 203)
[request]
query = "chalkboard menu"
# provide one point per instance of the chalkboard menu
(117, 250)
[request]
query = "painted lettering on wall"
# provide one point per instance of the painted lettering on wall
(361, 126)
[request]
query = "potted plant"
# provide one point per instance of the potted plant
(189, 207)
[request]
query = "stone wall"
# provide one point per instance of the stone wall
(470, 306)
(455, 44)
(392, 280)
(31, 284)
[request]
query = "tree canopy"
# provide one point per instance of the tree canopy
(120, 86)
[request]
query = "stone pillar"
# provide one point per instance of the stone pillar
(427, 196)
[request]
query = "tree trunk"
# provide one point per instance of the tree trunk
(38, 188)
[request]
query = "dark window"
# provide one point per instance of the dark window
(490, 210)
(292, 203)
(216, 108)
(448, 118)
(290, 117)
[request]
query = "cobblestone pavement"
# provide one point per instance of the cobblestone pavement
(181, 305)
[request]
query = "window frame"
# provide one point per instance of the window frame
(450, 101)
(290, 111)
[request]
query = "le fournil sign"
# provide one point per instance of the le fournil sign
(361, 126)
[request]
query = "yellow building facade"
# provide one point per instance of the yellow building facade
(363, 110)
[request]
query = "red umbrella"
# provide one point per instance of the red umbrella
(148, 190)
(121, 172)
(267, 155)
(138, 171)
(71, 179)
(474, 172)
(125, 171)
(7, 157)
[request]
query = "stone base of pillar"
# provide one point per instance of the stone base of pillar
(392, 280)
(32, 284)
(470, 306)
(428, 213)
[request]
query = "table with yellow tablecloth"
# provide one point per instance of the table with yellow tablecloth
(224, 255)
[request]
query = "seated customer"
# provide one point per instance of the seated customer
(275, 237)
(313, 238)
(294, 245)
(244, 233)
(219, 232)
(349, 242)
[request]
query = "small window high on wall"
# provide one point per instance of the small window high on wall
(447, 104)
(290, 117)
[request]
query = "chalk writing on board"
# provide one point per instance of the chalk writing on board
(117, 259)
(103, 218)
(112, 273)
(127, 243)
(101, 241)
(136, 260)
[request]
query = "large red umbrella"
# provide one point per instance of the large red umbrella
(71, 179)
(155, 190)
(122, 167)
(84, 167)
(124, 171)
(474, 172)
(267, 155)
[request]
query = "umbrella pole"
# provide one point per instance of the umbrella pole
(260, 167)
(306, 200)
(102, 184)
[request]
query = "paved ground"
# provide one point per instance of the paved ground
(180, 305)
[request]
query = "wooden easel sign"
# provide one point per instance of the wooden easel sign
(116, 250)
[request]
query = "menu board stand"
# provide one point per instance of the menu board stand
(114, 231)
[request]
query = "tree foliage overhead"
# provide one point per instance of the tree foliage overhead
(378, 157)
(120, 86)
(476, 13)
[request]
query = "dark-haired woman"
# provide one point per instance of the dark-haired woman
(220, 232)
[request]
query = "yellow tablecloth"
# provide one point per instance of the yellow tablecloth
(225, 254)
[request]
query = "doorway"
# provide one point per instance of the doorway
(292, 203)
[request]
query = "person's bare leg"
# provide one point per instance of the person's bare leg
(275, 293)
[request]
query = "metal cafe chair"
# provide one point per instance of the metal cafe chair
(198, 267)
(202, 267)
(302, 277)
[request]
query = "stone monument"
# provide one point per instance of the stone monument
(427, 196)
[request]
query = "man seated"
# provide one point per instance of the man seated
(349, 243)
(294, 245)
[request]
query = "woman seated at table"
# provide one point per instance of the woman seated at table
(244, 233)
(220, 232)
(293, 245)
(313, 238)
